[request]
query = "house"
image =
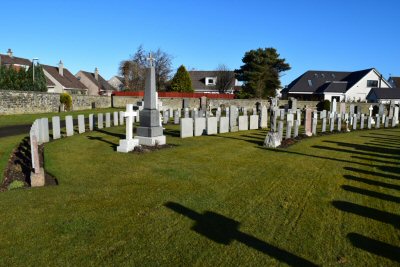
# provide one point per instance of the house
(384, 95)
(16, 62)
(117, 82)
(60, 79)
(96, 84)
(327, 85)
(206, 81)
(394, 82)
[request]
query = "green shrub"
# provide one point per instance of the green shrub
(66, 100)
(16, 184)
(324, 105)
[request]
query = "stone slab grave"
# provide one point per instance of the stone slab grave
(369, 122)
(342, 108)
(355, 122)
(233, 114)
(115, 118)
(339, 124)
(308, 122)
(272, 140)
(314, 126)
(280, 129)
(108, 120)
(100, 121)
(128, 144)
(362, 122)
(55, 122)
(91, 122)
(212, 125)
(264, 117)
(150, 133)
(296, 129)
(165, 116)
(290, 119)
(44, 130)
(81, 124)
(323, 125)
(37, 176)
(176, 116)
(199, 126)
(121, 118)
(253, 122)
(69, 125)
(243, 123)
(377, 121)
(186, 127)
(288, 130)
(224, 125)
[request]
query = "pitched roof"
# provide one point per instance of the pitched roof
(199, 79)
(318, 81)
(6, 59)
(67, 80)
(101, 83)
(49, 82)
(396, 81)
(385, 93)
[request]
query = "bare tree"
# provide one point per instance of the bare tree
(225, 78)
(134, 69)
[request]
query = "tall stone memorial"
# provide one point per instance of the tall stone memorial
(150, 133)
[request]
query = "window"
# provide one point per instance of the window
(309, 83)
(211, 80)
(372, 83)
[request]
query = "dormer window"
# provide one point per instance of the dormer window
(211, 80)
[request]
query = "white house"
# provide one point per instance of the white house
(344, 86)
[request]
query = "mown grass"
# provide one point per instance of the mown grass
(210, 201)
(10, 120)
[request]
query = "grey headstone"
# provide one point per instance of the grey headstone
(355, 122)
(100, 121)
(91, 122)
(296, 129)
(121, 118)
(81, 124)
(288, 130)
(264, 117)
(243, 123)
(186, 127)
(176, 117)
(324, 125)
(377, 122)
(362, 122)
(69, 125)
(55, 121)
(339, 124)
(272, 140)
(280, 129)
(165, 116)
(108, 120)
(369, 124)
(332, 124)
(199, 126)
(223, 125)
(314, 126)
(212, 125)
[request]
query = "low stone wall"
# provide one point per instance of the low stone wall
(81, 102)
(27, 102)
(18, 102)
(121, 101)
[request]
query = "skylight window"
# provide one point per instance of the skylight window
(310, 83)
(333, 75)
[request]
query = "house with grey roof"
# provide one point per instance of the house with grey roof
(117, 82)
(95, 83)
(340, 85)
(384, 95)
(61, 80)
(206, 82)
(17, 62)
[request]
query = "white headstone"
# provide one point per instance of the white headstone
(91, 122)
(115, 119)
(243, 123)
(121, 118)
(128, 144)
(212, 125)
(223, 125)
(81, 124)
(55, 122)
(186, 127)
(69, 125)
(108, 120)
(44, 130)
(253, 122)
(199, 126)
(100, 121)
(264, 117)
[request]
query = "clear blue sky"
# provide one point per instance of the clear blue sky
(321, 35)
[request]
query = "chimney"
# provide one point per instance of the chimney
(61, 68)
(96, 74)
(10, 52)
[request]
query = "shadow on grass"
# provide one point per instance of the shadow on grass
(389, 176)
(247, 138)
(375, 160)
(374, 246)
(376, 149)
(173, 133)
(98, 138)
(371, 182)
(370, 193)
(355, 152)
(367, 212)
(120, 136)
(223, 230)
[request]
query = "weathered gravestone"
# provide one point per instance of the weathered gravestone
(186, 127)
(37, 176)
(296, 129)
(69, 125)
(288, 130)
(81, 124)
(307, 125)
(176, 117)
(272, 140)
(264, 117)
(233, 119)
(280, 129)
(55, 122)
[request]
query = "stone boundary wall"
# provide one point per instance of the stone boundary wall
(175, 103)
(28, 102)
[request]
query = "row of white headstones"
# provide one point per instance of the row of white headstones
(39, 133)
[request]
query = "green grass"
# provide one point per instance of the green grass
(210, 201)
(10, 120)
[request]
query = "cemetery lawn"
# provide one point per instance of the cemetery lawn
(210, 201)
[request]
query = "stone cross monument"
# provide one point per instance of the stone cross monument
(150, 133)
(128, 144)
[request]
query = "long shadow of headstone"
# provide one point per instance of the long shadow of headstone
(223, 230)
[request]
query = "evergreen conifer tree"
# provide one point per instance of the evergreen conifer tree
(181, 81)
